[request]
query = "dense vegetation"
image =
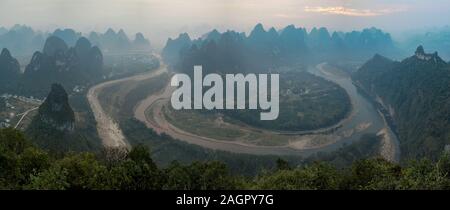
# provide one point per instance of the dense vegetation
(58, 127)
(306, 102)
(23, 166)
(165, 149)
(416, 91)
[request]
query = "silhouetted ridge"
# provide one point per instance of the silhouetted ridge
(174, 47)
(54, 45)
(9, 72)
(69, 36)
(270, 48)
(76, 66)
(5, 53)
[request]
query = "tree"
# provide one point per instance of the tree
(54, 178)
(282, 164)
(137, 172)
(31, 162)
(423, 175)
(212, 175)
(141, 154)
(317, 176)
(83, 171)
(12, 145)
(373, 174)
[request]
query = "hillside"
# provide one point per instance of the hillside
(416, 92)
(55, 127)
(9, 71)
(71, 66)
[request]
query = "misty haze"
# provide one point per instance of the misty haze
(362, 102)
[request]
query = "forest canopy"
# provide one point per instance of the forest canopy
(23, 166)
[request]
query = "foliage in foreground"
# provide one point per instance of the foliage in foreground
(23, 166)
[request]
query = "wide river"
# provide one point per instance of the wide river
(364, 113)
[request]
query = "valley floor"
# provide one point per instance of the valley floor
(153, 112)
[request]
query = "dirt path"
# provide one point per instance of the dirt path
(24, 115)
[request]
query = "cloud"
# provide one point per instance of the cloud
(288, 16)
(340, 10)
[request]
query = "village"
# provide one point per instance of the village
(16, 111)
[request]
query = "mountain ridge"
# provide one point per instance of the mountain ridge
(416, 91)
(287, 44)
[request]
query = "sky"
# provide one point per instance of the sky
(160, 19)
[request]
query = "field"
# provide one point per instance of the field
(302, 110)
(307, 102)
(213, 125)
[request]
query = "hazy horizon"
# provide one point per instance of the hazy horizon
(159, 20)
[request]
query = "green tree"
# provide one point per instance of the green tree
(137, 172)
(372, 174)
(12, 145)
(211, 175)
(282, 164)
(54, 178)
(316, 176)
(31, 162)
(83, 171)
(423, 175)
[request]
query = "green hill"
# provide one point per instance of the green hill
(416, 92)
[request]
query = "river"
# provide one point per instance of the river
(363, 113)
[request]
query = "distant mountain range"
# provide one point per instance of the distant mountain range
(434, 39)
(416, 92)
(269, 48)
(78, 65)
(175, 47)
(64, 56)
(71, 66)
(22, 40)
(110, 41)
